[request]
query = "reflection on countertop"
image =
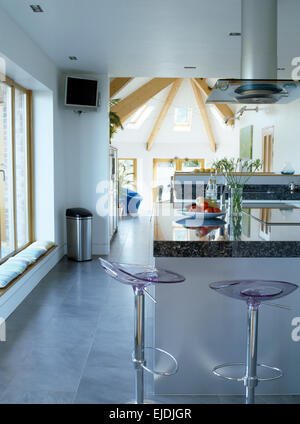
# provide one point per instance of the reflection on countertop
(259, 232)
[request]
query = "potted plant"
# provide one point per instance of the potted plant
(114, 119)
(237, 172)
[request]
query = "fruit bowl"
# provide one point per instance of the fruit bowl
(203, 215)
(200, 223)
(203, 208)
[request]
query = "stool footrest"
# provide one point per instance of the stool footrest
(154, 372)
(278, 372)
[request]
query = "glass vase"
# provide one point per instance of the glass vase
(235, 227)
(235, 201)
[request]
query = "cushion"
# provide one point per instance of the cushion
(6, 277)
(17, 264)
(19, 260)
(11, 266)
(31, 253)
(4, 280)
(26, 256)
(8, 273)
(44, 244)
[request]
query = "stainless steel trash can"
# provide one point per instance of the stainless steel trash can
(79, 234)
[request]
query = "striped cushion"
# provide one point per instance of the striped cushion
(46, 245)
(6, 277)
(31, 253)
(8, 273)
(21, 261)
(16, 265)
(4, 280)
(11, 266)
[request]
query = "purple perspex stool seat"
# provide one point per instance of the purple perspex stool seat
(140, 277)
(253, 292)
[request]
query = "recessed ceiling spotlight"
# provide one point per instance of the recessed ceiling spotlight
(36, 8)
(235, 34)
(73, 58)
(190, 67)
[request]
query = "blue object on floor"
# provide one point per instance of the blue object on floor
(133, 201)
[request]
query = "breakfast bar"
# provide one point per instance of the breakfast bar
(202, 329)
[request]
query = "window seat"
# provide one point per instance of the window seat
(19, 265)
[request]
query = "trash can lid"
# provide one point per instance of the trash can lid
(78, 213)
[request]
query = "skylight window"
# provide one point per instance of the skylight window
(182, 119)
(139, 117)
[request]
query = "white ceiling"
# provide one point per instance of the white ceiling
(148, 37)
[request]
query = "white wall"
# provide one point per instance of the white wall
(286, 122)
(131, 143)
(70, 152)
(86, 160)
(43, 165)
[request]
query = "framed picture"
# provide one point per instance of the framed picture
(246, 142)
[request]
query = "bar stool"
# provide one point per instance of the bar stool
(139, 277)
(254, 292)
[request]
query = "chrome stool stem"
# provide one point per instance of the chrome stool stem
(251, 378)
(139, 342)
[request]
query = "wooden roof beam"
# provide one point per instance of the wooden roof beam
(223, 109)
(161, 117)
(204, 114)
(117, 84)
(130, 104)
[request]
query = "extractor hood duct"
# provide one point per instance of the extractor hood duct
(259, 40)
(259, 84)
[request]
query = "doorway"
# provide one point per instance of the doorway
(267, 148)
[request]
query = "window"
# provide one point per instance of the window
(137, 119)
(182, 119)
(188, 165)
(15, 174)
(128, 173)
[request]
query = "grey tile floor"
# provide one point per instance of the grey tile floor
(70, 341)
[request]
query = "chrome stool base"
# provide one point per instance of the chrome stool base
(146, 402)
(276, 370)
(250, 378)
(154, 372)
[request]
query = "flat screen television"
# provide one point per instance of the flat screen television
(81, 93)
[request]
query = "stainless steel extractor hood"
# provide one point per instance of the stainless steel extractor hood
(258, 83)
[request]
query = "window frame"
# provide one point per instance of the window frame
(186, 125)
(177, 162)
(29, 137)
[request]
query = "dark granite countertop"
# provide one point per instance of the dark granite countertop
(260, 232)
